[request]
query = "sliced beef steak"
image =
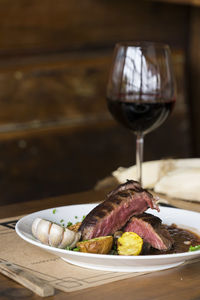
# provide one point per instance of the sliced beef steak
(130, 184)
(151, 230)
(112, 214)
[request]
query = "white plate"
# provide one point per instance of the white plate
(74, 213)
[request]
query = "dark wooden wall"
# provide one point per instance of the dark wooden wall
(56, 135)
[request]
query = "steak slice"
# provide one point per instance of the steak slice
(151, 230)
(113, 213)
(129, 184)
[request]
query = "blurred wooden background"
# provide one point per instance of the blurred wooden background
(56, 135)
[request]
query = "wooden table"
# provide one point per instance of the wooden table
(178, 283)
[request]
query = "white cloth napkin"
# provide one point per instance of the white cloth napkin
(178, 178)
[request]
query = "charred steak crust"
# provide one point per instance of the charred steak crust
(151, 229)
(112, 214)
(130, 184)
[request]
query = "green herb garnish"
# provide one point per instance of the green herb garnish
(194, 248)
(76, 217)
(68, 248)
(72, 249)
(76, 249)
(54, 210)
(61, 221)
(69, 224)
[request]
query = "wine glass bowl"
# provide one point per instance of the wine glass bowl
(141, 89)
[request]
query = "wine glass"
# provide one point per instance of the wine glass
(141, 89)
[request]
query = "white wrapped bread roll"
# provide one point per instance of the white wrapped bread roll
(152, 171)
(176, 178)
(183, 183)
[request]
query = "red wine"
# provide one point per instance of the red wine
(140, 117)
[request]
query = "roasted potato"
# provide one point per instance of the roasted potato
(100, 245)
(130, 243)
(74, 227)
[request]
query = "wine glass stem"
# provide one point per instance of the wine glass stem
(139, 155)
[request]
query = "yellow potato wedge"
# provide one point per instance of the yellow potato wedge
(129, 243)
(100, 245)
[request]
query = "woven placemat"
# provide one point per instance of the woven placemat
(54, 270)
